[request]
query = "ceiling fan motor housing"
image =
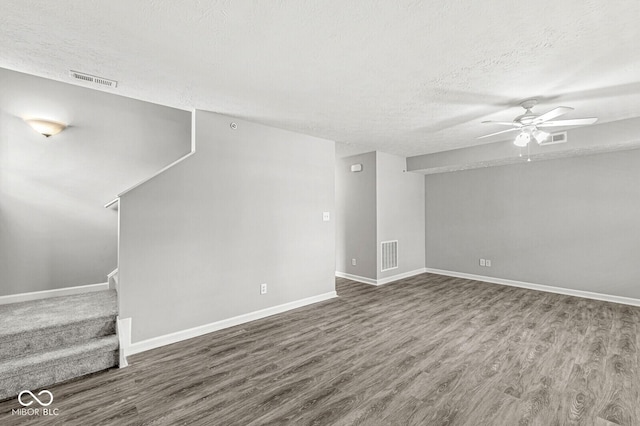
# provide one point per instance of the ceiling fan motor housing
(528, 117)
(525, 119)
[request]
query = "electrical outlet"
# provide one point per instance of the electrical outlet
(483, 262)
(353, 262)
(326, 216)
(263, 288)
(487, 263)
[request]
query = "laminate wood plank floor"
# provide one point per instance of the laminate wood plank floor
(427, 350)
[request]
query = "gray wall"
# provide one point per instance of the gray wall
(54, 230)
(197, 240)
(570, 223)
(356, 216)
(400, 213)
(381, 203)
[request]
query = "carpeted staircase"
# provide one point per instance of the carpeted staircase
(48, 341)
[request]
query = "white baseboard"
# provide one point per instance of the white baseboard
(112, 279)
(401, 276)
(540, 287)
(133, 348)
(46, 294)
(380, 281)
(123, 329)
(358, 278)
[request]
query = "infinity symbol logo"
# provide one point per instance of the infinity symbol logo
(35, 397)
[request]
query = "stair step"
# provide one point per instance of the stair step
(48, 341)
(42, 325)
(18, 346)
(55, 366)
(35, 315)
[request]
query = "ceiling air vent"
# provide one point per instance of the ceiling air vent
(554, 138)
(87, 78)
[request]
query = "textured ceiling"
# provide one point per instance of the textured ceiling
(404, 77)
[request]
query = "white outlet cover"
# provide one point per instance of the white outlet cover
(353, 262)
(482, 262)
(326, 216)
(488, 263)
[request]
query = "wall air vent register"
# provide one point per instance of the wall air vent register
(554, 138)
(389, 255)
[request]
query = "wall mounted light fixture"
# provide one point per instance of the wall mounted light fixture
(45, 127)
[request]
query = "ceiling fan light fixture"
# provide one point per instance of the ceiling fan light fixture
(540, 136)
(528, 123)
(522, 139)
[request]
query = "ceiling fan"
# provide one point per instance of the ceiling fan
(530, 123)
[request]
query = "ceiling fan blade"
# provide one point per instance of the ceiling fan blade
(556, 112)
(574, 122)
(497, 133)
(503, 123)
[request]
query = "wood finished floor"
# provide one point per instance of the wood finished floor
(429, 350)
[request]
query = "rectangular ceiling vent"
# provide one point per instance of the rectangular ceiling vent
(87, 78)
(554, 138)
(389, 251)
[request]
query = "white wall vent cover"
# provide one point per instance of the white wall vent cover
(554, 138)
(87, 78)
(389, 255)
